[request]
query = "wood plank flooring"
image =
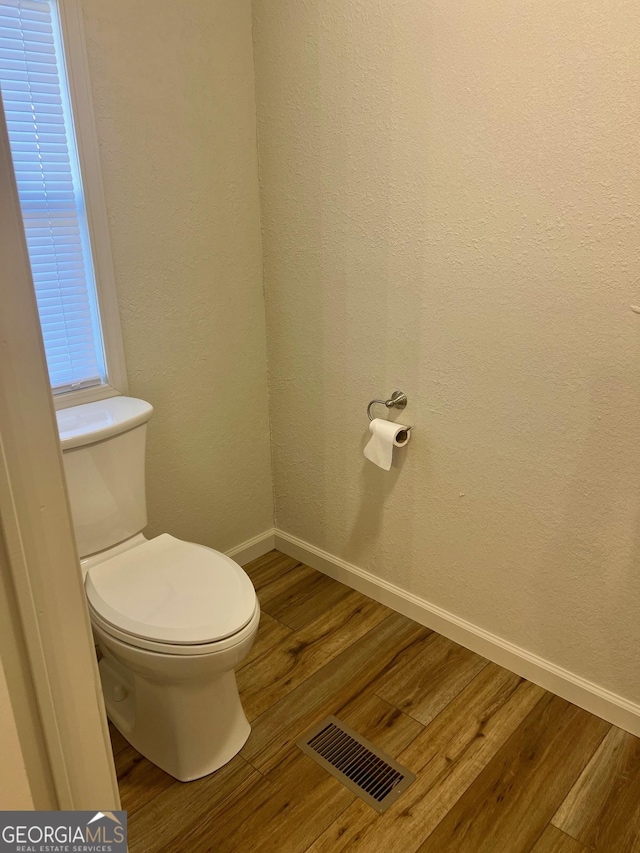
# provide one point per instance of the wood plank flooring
(502, 766)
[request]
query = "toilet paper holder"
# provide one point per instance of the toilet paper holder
(398, 400)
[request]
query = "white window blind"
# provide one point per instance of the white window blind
(37, 106)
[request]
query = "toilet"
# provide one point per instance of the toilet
(172, 619)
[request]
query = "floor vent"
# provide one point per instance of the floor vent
(359, 765)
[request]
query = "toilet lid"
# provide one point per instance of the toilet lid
(172, 592)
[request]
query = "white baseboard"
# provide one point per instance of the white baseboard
(611, 707)
(253, 548)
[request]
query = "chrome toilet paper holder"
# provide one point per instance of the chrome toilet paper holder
(398, 400)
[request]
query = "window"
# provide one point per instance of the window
(60, 196)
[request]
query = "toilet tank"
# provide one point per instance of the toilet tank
(103, 450)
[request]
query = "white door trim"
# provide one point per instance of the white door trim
(43, 569)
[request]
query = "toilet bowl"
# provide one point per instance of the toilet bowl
(172, 619)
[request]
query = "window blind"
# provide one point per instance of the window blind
(37, 107)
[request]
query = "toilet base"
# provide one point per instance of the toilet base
(189, 726)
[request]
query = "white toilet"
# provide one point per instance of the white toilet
(172, 619)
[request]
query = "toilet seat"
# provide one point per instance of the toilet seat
(176, 649)
(166, 592)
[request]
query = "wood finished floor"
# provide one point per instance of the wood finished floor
(502, 766)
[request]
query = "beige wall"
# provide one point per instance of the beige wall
(25, 770)
(174, 100)
(450, 207)
(14, 785)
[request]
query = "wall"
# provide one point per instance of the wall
(175, 110)
(25, 771)
(14, 785)
(450, 207)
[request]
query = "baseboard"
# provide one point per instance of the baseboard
(611, 707)
(253, 548)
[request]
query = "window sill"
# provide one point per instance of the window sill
(84, 395)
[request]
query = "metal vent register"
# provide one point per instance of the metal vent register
(359, 765)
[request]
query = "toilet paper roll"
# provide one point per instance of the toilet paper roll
(385, 435)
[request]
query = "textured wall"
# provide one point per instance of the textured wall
(175, 108)
(450, 207)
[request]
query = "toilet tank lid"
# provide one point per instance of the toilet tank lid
(92, 422)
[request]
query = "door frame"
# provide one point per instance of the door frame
(45, 635)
